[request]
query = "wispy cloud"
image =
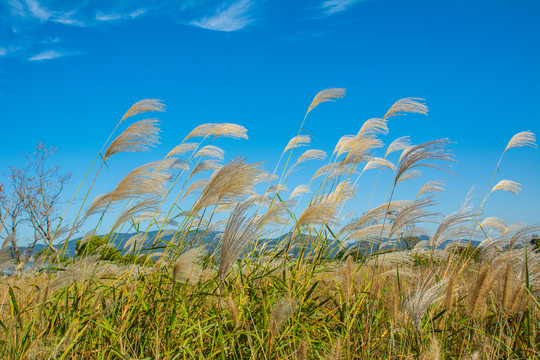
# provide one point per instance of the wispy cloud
(38, 11)
(50, 54)
(330, 7)
(233, 17)
(119, 16)
(24, 34)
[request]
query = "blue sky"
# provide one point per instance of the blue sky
(70, 69)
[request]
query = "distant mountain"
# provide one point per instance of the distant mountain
(305, 244)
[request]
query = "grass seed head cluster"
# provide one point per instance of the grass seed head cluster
(225, 265)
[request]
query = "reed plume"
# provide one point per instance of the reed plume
(146, 180)
(282, 311)
(146, 205)
(232, 182)
(211, 151)
(299, 190)
(423, 155)
(494, 223)
(406, 105)
(233, 311)
(241, 229)
(452, 227)
(205, 165)
(181, 149)
(325, 95)
(525, 138)
(146, 105)
(421, 298)
(297, 141)
(185, 268)
(378, 163)
(507, 185)
(137, 137)
(233, 131)
(431, 187)
(399, 144)
(311, 154)
(318, 214)
(479, 289)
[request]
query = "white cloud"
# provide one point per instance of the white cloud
(330, 7)
(38, 11)
(118, 16)
(234, 17)
(3, 52)
(50, 54)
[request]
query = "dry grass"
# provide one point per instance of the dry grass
(279, 281)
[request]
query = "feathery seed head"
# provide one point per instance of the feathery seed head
(525, 138)
(181, 149)
(406, 105)
(138, 137)
(143, 106)
(398, 144)
(326, 95)
(507, 185)
(300, 140)
(431, 187)
(233, 131)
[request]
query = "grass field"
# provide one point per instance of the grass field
(332, 287)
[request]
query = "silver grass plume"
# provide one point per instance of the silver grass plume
(138, 137)
(233, 131)
(185, 268)
(211, 151)
(311, 154)
(399, 144)
(378, 163)
(278, 188)
(300, 140)
(143, 106)
(406, 105)
(145, 205)
(342, 193)
(135, 243)
(494, 223)
(525, 138)
(318, 214)
(205, 165)
(335, 169)
(325, 95)
(413, 174)
(422, 156)
(195, 186)
(452, 227)
(230, 183)
(468, 197)
(410, 214)
(146, 180)
(299, 190)
(395, 258)
(431, 187)
(421, 298)
(373, 215)
(241, 230)
(507, 185)
(373, 127)
(282, 311)
(182, 149)
(370, 234)
(358, 149)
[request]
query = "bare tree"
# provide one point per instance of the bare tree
(36, 196)
(11, 216)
